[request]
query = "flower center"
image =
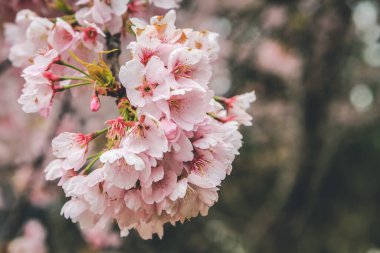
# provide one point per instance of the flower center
(90, 34)
(175, 104)
(199, 164)
(66, 36)
(182, 71)
(116, 128)
(140, 129)
(147, 89)
(82, 139)
(146, 55)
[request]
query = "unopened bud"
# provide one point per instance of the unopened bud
(95, 103)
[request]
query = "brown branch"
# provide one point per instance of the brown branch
(113, 42)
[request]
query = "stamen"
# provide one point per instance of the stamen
(182, 71)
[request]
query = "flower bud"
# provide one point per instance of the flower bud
(95, 103)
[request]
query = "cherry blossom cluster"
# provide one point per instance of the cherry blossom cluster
(173, 143)
(44, 48)
(109, 14)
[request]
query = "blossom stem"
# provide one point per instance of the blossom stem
(130, 109)
(99, 133)
(89, 166)
(66, 87)
(220, 99)
(212, 115)
(73, 67)
(94, 155)
(69, 18)
(62, 78)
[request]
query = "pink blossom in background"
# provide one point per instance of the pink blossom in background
(31, 241)
(26, 36)
(40, 194)
(9, 9)
(275, 58)
(274, 17)
(239, 4)
(13, 125)
(101, 238)
(21, 178)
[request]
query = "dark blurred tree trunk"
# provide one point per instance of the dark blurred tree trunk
(322, 81)
(4, 66)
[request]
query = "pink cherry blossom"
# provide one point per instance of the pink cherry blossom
(206, 41)
(116, 130)
(171, 129)
(91, 37)
(38, 31)
(146, 136)
(37, 96)
(41, 63)
(189, 68)
(165, 4)
(145, 84)
(26, 36)
(237, 107)
(205, 170)
(54, 170)
(198, 201)
(187, 107)
(103, 13)
(165, 27)
(160, 185)
(78, 210)
(38, 91)
(99, 12)
(62, 36)
(90, 205)
(146, 46)
(133, 199)
(180, 189)
(183, 149)
(147, 229)
(72, 147)
(122, 168)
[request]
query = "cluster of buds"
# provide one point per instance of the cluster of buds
(173, 143)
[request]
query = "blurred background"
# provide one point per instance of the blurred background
(308, 177)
